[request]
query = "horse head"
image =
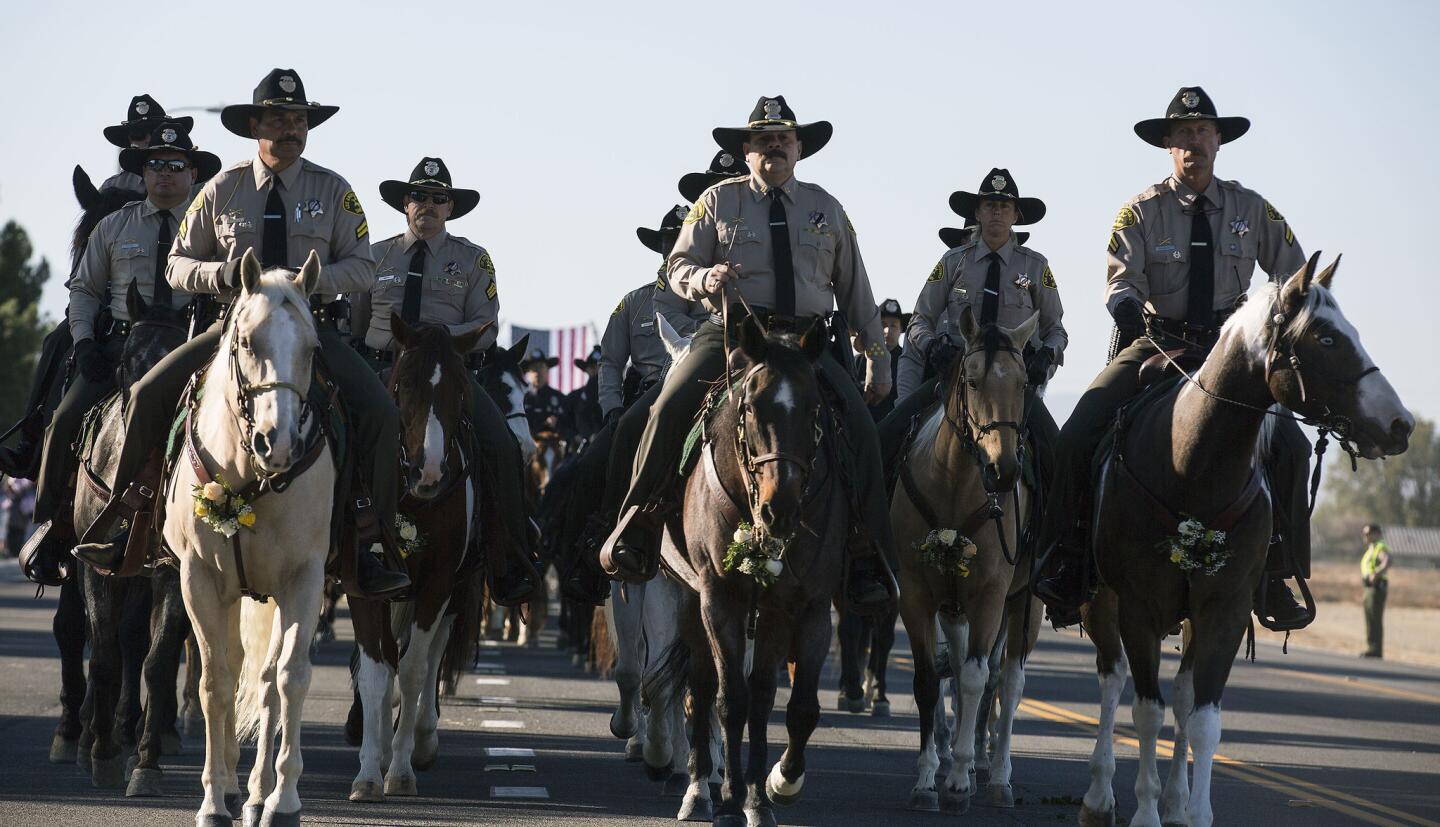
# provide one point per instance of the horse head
(433, 397)
(676, 345)
(1315, 365)
(270, 344)
(778, 421)
(155, 330)
(985, 403)
(95, 204)
(502, 379)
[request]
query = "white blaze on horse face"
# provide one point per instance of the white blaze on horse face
(275, 357)
(519, 424)
(1375, 399)
(785, 395)
(434, 467)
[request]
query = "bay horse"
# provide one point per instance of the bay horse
(252, 427)
(765, 461)
(1195, 454)
(438, 502)
(136, 622)
(962, 472)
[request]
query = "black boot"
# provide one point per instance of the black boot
(1280, 611)
(377, 582)
(512, 587)
(1064, 592)
(104, 557)
(45, 556)
(585, 582)
(631, 552)
(865, 586)
(22, 460)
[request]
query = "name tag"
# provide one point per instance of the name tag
(387, 278)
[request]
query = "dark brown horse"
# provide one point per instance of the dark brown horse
(437, 511)
(763, 462)
(1194, 454)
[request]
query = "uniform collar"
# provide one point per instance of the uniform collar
(1187, 195)
(432, 245)
(263, 174)
(981, 249)
(148, 208)
(760, 191)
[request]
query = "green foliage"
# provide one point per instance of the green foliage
(21, 329)
(1402, 490)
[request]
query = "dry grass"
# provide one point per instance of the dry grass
(1409, 587)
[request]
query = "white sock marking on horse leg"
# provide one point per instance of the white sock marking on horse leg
(1100, 797)
(780, 785)
(373, 680)
(927, 764)
(1149, 717)
(1203, 730)
(973, 675)
(1177, 785)
(414, 668)
(1012, 687)
(429, 719)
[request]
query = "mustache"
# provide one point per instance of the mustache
(288, 139)
(775, 153)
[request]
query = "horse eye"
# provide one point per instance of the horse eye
(1327, 341)
(972, 384)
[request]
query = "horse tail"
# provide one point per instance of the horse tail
(261, 645)
(466, 606)
(669, 677)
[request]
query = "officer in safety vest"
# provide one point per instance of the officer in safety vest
(1375, 577)
(426, 275)
(1180, 258)
(129, 246)
(788, 248)
(283, 207)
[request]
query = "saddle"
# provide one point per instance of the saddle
(1162, 365)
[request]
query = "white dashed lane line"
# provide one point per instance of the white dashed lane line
(499, 704)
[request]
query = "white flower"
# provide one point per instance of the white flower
(408, 532)
(774, 567)
(228, 528)
(743, 535)
(1219, 537)
(214, 491)
(376, 549)
(948, 535)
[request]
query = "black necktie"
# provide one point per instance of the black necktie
(784, 265)
(160, 291)
(1201, 296)
(414, 281)
(990, 301)
(273, 244)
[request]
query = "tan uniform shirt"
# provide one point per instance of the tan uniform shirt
(125, 181)
(1149, 246)
(1026, 285)
(322, 214)
(121, 250)
(631, 337)
(684, 315)
(731, 222)
(459, 289)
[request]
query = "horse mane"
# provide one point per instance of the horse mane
(108, 201)
(277, 285)
(1252, 320)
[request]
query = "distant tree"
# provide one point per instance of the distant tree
(1402, 490)
(21, 328)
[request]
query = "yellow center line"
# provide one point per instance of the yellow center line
(1358, 684)
(1270, 779)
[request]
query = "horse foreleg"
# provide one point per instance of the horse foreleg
(849, 634)
(1113, 671)
(427, 728)
(374, 678)
(968, 660)
(191, 715)
(703, 762)
(298, 610)
(262, 773)
(723, 626)
(1142, 645)
(1218, 628)
(134, 620)
(920, 626)
(882, 640)
(1176, 797)
(168, 628)
(69, 630)
(802, 714)
(216, 629)
(107, 764)
(626, 618)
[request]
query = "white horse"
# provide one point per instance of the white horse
(248, 427)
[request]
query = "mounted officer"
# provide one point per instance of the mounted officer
(131, 245)
(141, 120)
(544, 405)
(1181, 255)
(582, 405)
(427, 275)
(893, 322)
(788, 248)
(284, 207)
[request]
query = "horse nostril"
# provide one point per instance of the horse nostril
(262, 444)
(1401, 428)
(767, 514)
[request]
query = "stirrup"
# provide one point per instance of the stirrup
(1300, 621)
(619, 548)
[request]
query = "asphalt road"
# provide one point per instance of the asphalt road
(1309, 739)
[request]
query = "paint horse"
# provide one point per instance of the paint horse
(1194, 454)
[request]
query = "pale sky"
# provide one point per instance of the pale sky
(574, 121)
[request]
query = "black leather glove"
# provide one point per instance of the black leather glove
(229, 277)
(1037, 370)
(91, 361)
(940, 353)
(1130, 320)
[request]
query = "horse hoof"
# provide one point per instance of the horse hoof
(634, 751)
(170, 743)
(214, 820)
(63, 750)
(427, 751)
(926, 801)
(880, 709)
(400, 785)
(1001, 795)
(661, 773)
(131, 763)
(695, 808)
(760, 817)
(782, 792)
(367, 792)
(618, 727)
(675, 785)
(252, 815)
(1091, 818)
(954, 802)
(232, 805)
(280, 819)
(144, 783)
(108, 773)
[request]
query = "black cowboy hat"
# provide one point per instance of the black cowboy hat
(953, 237)
(174, 136)
(1190, 104)
(538, 355)
(430, 175)
(891, 307)
(672, 222)
(772, 114)
(281, 89)
(725, 164)
(143, 114)
(999, 185)
(592, 359)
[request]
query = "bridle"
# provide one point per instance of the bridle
(448, 480)
(246, 413)
(751, 462)
(970, 430)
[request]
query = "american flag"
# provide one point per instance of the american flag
(568, 343)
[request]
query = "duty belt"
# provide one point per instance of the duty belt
(1188, 331)
(332, 312)
(115, 328)
(771, 320)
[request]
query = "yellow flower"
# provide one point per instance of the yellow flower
(247, 519)
(201, 509)
(1176, 556)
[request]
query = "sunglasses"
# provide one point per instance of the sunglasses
(429, 197)
(172, 165)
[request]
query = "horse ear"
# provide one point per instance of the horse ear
(1022, 332)
(1328, 273)
(400, 330)
(968, 326)
(309, 274)
(813, 340)
(134, 302)
(752, 341)
(516, 351)
(1292, 294)
(465, 342)
(85, 191)
(249, 271)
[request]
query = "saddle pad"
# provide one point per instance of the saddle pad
(695, 438)
(1127, 413)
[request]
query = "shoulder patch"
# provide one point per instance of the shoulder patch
(351, 203)
(937, 274)
(484, 262)
(197, 203)
(697, 212)
(1272, 213)
(1047, 278)
(618, 308)
(849, 226)
(362, 230)
(660, 285)
(492, 290)
(1126, 218)
(1114, 245)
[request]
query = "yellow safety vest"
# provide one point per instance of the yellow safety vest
(1370, 561)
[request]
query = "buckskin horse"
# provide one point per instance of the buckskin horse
(1193, 454)
(253, 431)
(767, 461)
(438, 506)
(961, 473)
